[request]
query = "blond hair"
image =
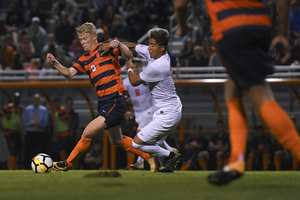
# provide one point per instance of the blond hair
(87, 27)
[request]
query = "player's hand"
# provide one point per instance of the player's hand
(280, 44)
(114, 43)
(51, 59)
(129, 64)
(104, 48)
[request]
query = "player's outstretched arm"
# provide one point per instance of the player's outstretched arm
(126, 53)
(130, 45)
(66, 72)
(134, 80)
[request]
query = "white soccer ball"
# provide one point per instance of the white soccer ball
(41, 163)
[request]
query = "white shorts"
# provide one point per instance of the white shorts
(144, 118)
(162, 124)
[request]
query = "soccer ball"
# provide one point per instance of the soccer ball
(41, 163)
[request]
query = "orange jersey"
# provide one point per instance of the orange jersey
(103, 70)
(227, 15)
(7, 111)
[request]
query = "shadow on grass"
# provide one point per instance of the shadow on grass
(103, 174)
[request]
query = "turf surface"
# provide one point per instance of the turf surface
(143, 185)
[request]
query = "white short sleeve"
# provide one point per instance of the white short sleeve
(152, 73)
(142, 50)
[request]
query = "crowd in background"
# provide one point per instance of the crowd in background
(28, 33)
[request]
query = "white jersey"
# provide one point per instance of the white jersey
(158, 75)
(141, 99)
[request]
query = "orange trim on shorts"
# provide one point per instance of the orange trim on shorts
(112, 107)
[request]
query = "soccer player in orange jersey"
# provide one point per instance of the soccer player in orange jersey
(104, 72)
(242, 35)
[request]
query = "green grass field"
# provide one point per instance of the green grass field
(144, 185)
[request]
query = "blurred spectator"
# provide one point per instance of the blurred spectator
(109, 15)
(69, 6)
(100, 35)
(136, 22)
(198, 59)
(65, 31)
(295, 17)
(120, 30)
(51, 45)
(186, 52)
(26, 20)
(260, 149)
(35, 121)
(173, 57)
(94, 157)
(25, 47)
(11, 127)
(196, 153)
(100, 24)
(38, 35)
(219, 145)
(62, 131)
(14, 16)
(47, 70)
(282, 157)
(215, 60)
(35, 11)
(62, 58)
(85, 14)
(7, 54)
(157, 12)
(34, 64)
(9, 41)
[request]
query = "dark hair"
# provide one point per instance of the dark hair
(160, 35)
(69, 99)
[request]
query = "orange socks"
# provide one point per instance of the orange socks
(12, 162)
(81, 147)
(130, 159)
(202, 163)
(281, 126)
(277, 163)
(238, 128)
(186, 166)
(127, 145)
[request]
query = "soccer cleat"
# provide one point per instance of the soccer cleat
(152, 164)
(61, 166)
(169, 163)
(137, 166)
(229, 173)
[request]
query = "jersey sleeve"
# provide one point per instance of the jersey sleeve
(142, 50)
(79, 65)
(152, 74)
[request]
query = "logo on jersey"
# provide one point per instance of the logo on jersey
(93, 68)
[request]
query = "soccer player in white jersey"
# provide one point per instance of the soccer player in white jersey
(143, 106)
(168, 106)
